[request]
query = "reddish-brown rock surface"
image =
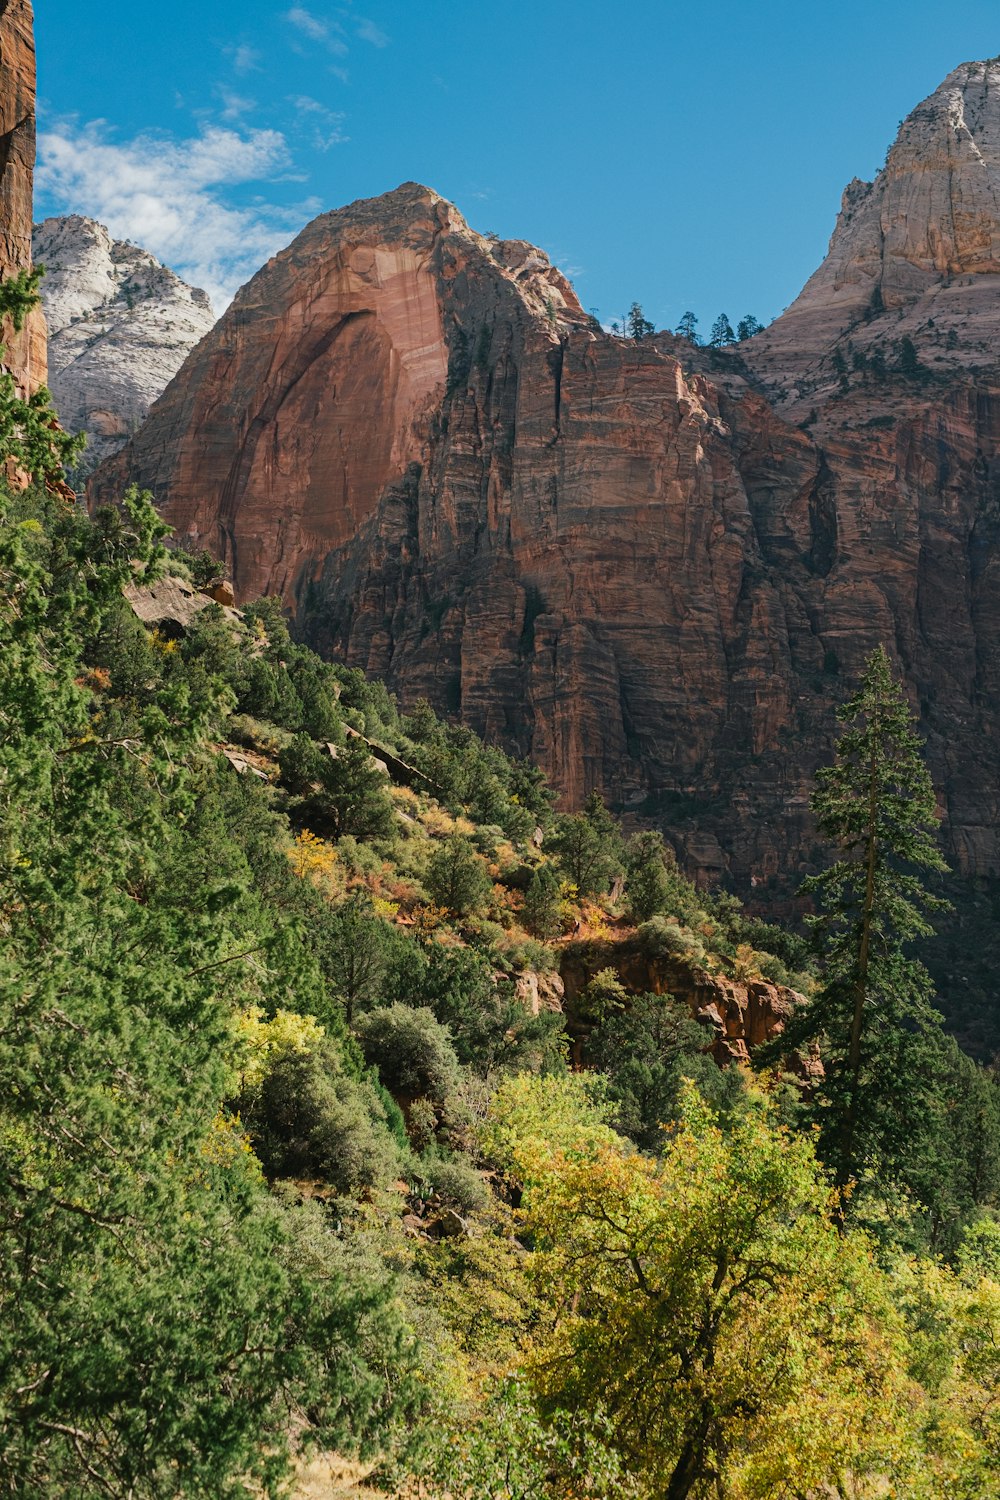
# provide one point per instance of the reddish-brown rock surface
(654, 569)
(24, 353)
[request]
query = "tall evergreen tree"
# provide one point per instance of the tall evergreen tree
(747, 327)
(874, 1014)
(637, 324)
(687, 328)
(722, 332)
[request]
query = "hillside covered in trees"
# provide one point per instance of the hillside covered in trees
(336, 1120)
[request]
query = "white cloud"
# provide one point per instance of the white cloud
(316, 29)
(369, 32)
(234, 105)
(326, 123)
(163, 194)
(245, 59)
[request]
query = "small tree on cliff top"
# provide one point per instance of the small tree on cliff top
(876, 805)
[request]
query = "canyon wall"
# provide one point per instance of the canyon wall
(24, 352)
(654, 569)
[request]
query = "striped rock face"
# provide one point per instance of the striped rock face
(653, 568)
(24, 355)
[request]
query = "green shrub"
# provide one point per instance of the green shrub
(310, 1120)
(411, 1050)
(456, 1182)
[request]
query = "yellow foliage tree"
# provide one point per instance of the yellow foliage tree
(739, 1346)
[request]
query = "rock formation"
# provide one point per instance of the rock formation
(24, 355)
(655, 569)
(120, 327)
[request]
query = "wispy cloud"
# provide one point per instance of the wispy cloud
(245, 59)
(369, 32)
(317, 29)
(164, 194)
(326, 123)
(234, 105)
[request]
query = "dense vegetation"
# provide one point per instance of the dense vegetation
(292, 1152)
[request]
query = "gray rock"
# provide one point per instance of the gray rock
(120, 327)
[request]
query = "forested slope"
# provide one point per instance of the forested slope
(337, 1111)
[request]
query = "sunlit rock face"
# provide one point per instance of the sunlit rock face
(654, 569)
(120, 326)
(24, 351)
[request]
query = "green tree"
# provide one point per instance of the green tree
(457, 877)
(701, 1303)
(748, 327)
(646, 1052)
(411, 1050)
(909, 363)
(637, 324)
(588, 846)
(722, 332)
(648, 886)
(156, 1314)
(542, 913)
(874, 1014)
(341, 793)
(687, 328)
(353, 945)
(30, 436)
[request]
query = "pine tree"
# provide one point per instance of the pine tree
(874, 1014)
(908, 360)
(722, 332)
(637, 324)
(543, 903)
(748, 327)
(687, 328)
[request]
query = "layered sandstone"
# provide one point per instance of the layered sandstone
(655, 570)
(120, 326)
(24, 351)
(916, 253)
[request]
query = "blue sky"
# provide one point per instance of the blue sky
(684, 155)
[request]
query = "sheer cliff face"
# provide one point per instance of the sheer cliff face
(24, 355)
(656, 570)
(120, 326)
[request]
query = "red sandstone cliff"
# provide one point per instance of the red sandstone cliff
(25, 351)
(653, 569)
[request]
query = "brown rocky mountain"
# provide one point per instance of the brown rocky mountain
(24, 355)
(655, 569)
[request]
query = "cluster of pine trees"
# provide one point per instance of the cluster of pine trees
(289, 1160)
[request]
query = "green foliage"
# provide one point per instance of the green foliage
(157, 1317)
(411, 1050)
(457, 878)
(341, 793)
(543, 903)
(722, 332)
(698, 1304)
(909, 363)
(646, 1053)
(637, 325)
(874, 1013)
(30, 436)
(354, 949)
(748, 327)
(687, 328)
(308, 1119)
(648, 888)
(588, 846)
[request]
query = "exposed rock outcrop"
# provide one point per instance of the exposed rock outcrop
(120, 327)
(24, 355)
(654, 569)
(738, 1016)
